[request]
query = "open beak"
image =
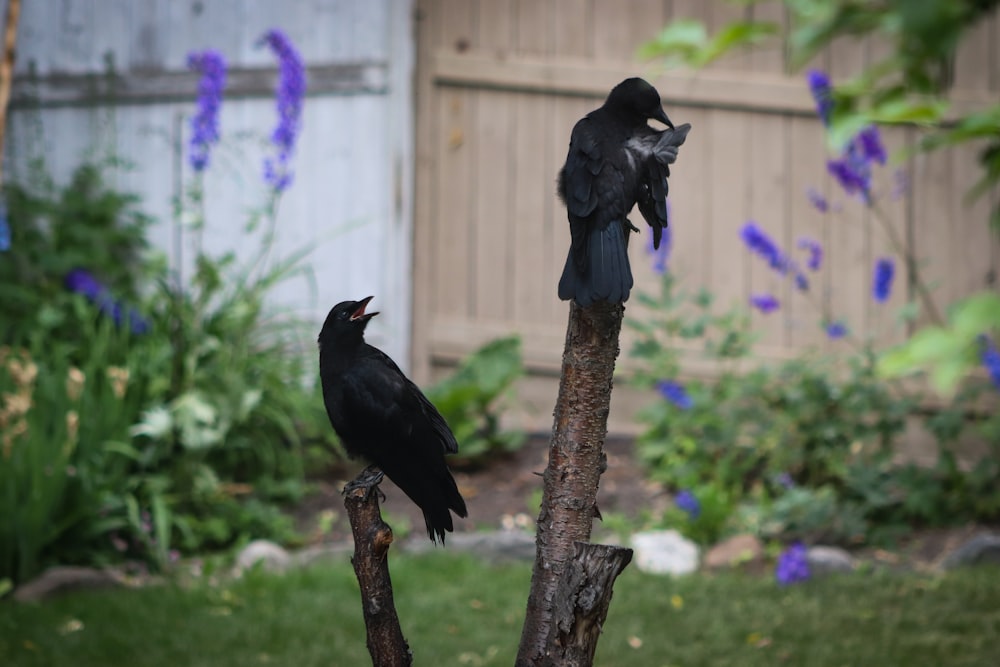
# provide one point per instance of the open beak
(661, 116)
(360, 313)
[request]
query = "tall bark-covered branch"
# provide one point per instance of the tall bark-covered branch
(576, 461)
(372, 538)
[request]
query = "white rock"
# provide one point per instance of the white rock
(272, 557)
(665, 552)
(824, 560)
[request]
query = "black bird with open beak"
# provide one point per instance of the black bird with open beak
(384, 418)
(615, 161)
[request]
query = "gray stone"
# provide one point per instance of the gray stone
(982, 548)
(338, 551)
(62, 579)
(494, 546)
(270, 556)
(735, 551)
(826, 560)
(665, 552)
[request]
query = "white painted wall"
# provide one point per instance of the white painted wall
(351, 201)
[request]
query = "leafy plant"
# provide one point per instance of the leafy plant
(470, 399)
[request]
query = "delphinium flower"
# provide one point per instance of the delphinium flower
(871, 144)
(819, 86)
(815, 253)
(785, 481)
(836, 330)
(990, 356)
(900, 184)
(793, 565)
(882, 279)
(688, 502)
(675, 393)
(817, 199)
(759, 242)
(83, 282)
(765, 303)
(288, 96)
(662, 254)
(205, 122)
(853, 171)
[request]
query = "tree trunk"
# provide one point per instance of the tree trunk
(372, 538)
(581, 603)
(576, 461)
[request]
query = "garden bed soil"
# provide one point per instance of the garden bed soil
(506, 492)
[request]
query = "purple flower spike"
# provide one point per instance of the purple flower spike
(815, 253)
(793, 565)
(871, 144)
(675, 393)
(288, 97)
(759, 242)
(817, 199)
(885, 270)
(688, 502)
(819, 86)
(205, 122)
(990, 357)
(836, 330)
(83, 282)
(765, 303)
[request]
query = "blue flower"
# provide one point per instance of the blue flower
(990, 357)
(759, 242)
(853, 171)
(900, 184)
(793, 565)
(290, 91)
(817, 199)
(662, 254)
(815, 252)
(822, 93)
(785, 481)
(882, 281)
(835, 330)
(205, 122)
(83, 282)
(675, 393)
(765, 303)
(688, 502)
(4, 229)
(871, 144)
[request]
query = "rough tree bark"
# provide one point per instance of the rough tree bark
(569, 498)
(581, 603)
(372, 538)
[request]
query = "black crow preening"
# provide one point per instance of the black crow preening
(615, 160)
(382, 417)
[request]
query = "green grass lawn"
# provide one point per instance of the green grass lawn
(456, 611)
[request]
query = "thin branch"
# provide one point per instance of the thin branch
(372, 538)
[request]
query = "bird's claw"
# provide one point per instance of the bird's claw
(368, 479)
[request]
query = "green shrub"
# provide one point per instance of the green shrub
(470, 400)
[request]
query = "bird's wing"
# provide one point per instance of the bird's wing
(393, 404)
(652, 198)
(583, 164)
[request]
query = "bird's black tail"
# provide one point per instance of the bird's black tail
(433, 491)
(605, 274)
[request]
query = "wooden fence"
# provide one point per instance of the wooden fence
(500, 84)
